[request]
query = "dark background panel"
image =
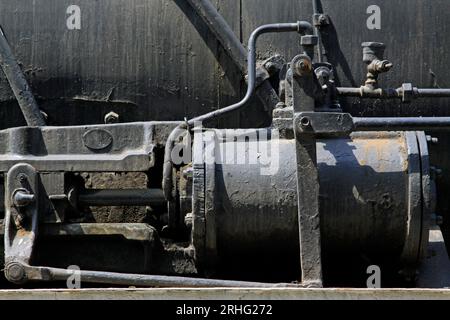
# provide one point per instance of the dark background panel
(155, 60)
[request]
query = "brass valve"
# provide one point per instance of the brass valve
(373, 56)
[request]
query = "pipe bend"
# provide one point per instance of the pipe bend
(301, 27)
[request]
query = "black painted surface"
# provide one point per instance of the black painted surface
(155, 60)
(147, 60)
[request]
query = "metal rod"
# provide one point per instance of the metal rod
(19, 84)
(151, 280)
(401, 124)
(233, 46)
(121, 197)
(433, 93)
(391, 93)
(301, 27)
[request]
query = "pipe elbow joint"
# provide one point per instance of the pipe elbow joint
(305, 28)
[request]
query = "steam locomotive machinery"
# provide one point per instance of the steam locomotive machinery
(327, 194)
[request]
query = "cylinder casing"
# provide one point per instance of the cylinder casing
(371, 196)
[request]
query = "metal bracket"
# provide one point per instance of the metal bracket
(305, 92)
(324, 123)
(21, 220)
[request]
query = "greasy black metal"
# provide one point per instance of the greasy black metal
(20, 239)
(97, 148)
(326, 123)
(433, 93)
(428, 193)
(20, 242)
(391, 93)
(301, 27)
(356, 217)
(19, 84)
(401, 123)
(155, 85)
(221, 29)
(121, 197)
(306, 92)
(337, 123)
(317, 31)
(232, 45)
(48, 274)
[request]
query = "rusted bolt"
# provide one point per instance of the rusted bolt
(111, 117)
(302, 65)
(15, 272)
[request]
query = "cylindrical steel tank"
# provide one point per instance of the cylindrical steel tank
(372, 201)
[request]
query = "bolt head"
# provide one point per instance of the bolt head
(323, 19)
(111, 117)
(15, 272)
(432, 140)
(302, 67)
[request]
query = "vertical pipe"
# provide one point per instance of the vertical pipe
(315, 5)
(19, 84)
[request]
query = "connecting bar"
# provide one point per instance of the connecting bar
(141, 280)
(121, 197)
(334, 123)
(19, 85)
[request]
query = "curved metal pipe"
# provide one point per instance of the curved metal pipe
(301, 27)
